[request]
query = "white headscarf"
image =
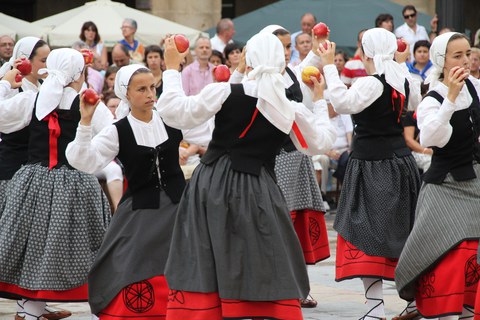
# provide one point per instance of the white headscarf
(63, 67)
(381, 45)
(23, 48)
(265, 55)
(122, 79)
(437, 56)
(271, 28)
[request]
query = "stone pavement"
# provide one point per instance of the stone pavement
(343, 300)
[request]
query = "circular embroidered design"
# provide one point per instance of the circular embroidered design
(426, 285)
(176, 296)
(352, 253)
(139, 297)
(314, 230)
(472, 271)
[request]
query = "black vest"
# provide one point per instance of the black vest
(141, 171)
(294, 93)
(257, 148)
(39, 142)
(377, 132)
(13, 151)
(463, 148)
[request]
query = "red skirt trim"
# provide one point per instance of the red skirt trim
(451, 283)
(143, 300)
(79, 294)
(353, 263)
(209, 306)
(312, 232)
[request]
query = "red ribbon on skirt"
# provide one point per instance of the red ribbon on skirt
(54, 132)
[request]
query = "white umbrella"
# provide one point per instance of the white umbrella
(108, 16)
(17, 28)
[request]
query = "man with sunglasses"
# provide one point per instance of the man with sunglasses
(410, 30)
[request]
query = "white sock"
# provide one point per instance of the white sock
(374, 295)
(94, 317)
(20, 310)
(448, 318)
(467, 313)
(34, 309)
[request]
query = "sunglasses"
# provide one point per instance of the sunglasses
(410, 16)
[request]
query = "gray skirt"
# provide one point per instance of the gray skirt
(3, 190)
(447, 214)
(296, 178)
(377, 204)
(233, 235)
(52, 223)
(135, 248)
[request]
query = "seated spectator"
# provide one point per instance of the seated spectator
(135, 48)
(89, 34)
(109, 80)
(410, 31)
(112, 102)
(340, 60)
(303, 45)
(154, 62)
(6, 48)
(93, 78)
(217, 58)
(475, 63)
(385, 21)
(337, 157)
(224, 35)
(422, 155)
(233, 54)
(121, 56)
(421, 66)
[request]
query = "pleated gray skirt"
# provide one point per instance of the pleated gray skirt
(233, 235)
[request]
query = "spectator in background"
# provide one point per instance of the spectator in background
(112, 102)
(154, 62)
(109, 80)
(340, 60)
(475, 63)
(6, 48)
(224, 36)
(121, 56)
(89, 34)
(385, 21)
(410, 31)
(303, 44)
(198, 74)
(135, 48)
(421, 66)
(308, 22)
(217, 58)
(233, 54)
(354, 68)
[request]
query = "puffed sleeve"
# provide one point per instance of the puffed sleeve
(15, 112)
(433, 120)
(355, 99)
(89, 154)
(315, 127)
(186, 112)
(200, 135)
(102, 118)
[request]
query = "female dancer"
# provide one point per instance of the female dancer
(438, 266)
(379, 193)
(148, 149)
(234, 251)
(53, 218)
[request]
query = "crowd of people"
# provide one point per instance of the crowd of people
(178, 197)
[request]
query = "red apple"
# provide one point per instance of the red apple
(308, 72)
(325, 45)
(25, 67)
(221, 73)
(181, 42)
(18, 77)
(401, 45)
(90, 96)
(321, 30)
(87, 56)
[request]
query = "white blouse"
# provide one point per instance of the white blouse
(433, 118)
(363, 92)
(184, 112)
(16, 112)
(93, 154)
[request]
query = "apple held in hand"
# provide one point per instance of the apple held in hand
(181, 43)
(25, 67)
(325, 45)
(321, 30)
(308, 72)
(87, 56)
(90, 96)
(401, 46)
(221, 73)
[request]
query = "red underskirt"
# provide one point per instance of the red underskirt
(73, 295)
